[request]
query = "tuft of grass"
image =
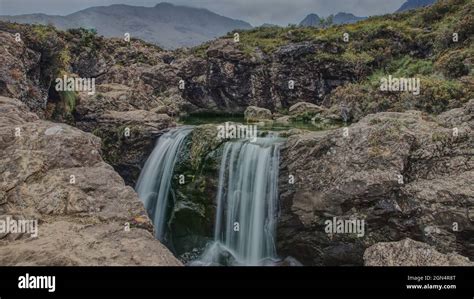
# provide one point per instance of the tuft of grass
(69, 98)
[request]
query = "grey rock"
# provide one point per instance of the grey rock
(305, 108)
(254, 114)
(410, 253)
(402, 173)
(53, 173)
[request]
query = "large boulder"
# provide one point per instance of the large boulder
(409, 253)
(254, 114)
(53, 174)
(404, 174)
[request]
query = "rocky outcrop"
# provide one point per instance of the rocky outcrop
(402, 173)
(23, 72)
(128, 138)
(53, 173)
(254, 114)
(303, 107)
(230, 77)
(272, 68)
(410, 253)
(436, 96)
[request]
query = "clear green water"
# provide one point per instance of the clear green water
(202, 119)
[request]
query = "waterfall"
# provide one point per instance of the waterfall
(247, 204)
(154, 184)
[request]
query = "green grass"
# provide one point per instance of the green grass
(69, 99)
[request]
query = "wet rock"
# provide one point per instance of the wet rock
(193, 214)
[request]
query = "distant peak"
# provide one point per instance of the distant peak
(413, 4)
(164, 4)
(313, 20)
(344, 14)
(312, 15)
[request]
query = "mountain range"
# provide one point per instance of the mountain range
(167, 25)
(313, 20)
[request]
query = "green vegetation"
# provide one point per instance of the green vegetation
(266, 39)
(200, 51)
(418, 44)
(376, 40)
(87, 37)
(407, 66)
(456, 63)
(69, 99)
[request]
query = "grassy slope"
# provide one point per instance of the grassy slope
(417, 43)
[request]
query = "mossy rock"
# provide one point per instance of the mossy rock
(193, 214)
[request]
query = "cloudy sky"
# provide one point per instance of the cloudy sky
(256, 12)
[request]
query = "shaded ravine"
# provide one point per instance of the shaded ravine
(154, 184)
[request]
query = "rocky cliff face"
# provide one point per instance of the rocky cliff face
(26, 73)
(53, 173)
(135, 76)
(272, 68)
(404, 174)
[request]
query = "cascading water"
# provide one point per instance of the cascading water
(154, 183)
(247, 204)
